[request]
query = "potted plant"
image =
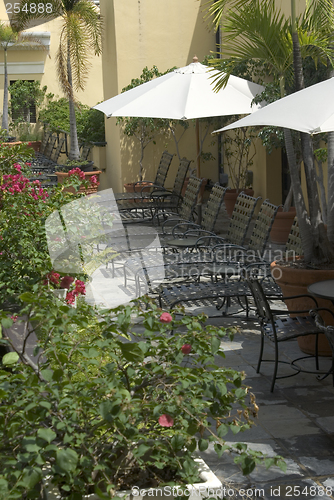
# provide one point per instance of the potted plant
(85, 170)
(115, 400)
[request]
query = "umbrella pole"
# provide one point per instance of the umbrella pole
(199, 201)
(198, 148)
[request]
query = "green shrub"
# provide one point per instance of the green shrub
(90, 122)
(118, 397)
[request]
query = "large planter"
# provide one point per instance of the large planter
(35, 145)
(62, 176)
(231, 196)
(282, 225)
(210, 486)
(294, 281)
(133, 187)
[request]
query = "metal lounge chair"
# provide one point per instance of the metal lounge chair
(191, 265)
(237, 230)
(229, 260)
(160, 199)
(185, 233)
(139, 242)
(44, 170)
(279, 326)
(133, 266)
(138, 187)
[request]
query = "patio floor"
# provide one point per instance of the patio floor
(296, 421)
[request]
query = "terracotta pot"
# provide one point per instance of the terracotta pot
(282, 225)
(61, 176)
(35, 145)
(11, 144)
(132, 187)
(231, 196)
(294, 281)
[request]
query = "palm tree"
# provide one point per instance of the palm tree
(255, 29)
(10, 37)
(80, 36)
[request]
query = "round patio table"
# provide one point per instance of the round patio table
(322, 289)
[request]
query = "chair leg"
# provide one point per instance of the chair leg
(275, 368)
(261, 353)
(317, 351)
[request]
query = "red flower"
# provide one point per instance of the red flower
(166, 318)
(79, 287)
(166, 420)
(66, 281)
(186, 348)
(52, 277)
(70, 297)
(93, 180)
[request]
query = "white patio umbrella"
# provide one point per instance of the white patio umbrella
(184, 94)
(310, 110)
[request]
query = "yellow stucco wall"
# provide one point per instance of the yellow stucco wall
(140, 34)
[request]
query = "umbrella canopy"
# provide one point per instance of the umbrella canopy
(310, 110)
(184, 94)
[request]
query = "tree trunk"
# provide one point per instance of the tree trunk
(5, 94)
(74, 153)
(316, 246)
(330, 182)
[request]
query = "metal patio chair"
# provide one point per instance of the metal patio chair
(159, 182)
(229, 260)
(280, 326)
(160, 199)
(205, 261)
(138, 243)
(329, 333)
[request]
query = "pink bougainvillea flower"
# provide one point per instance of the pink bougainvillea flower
(53, 277)
(166, 318)
(166, 420)
(66, 281)
(186, 348)
(80, 287)
(93, 180)
(70, 297)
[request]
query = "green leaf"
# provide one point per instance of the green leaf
(177, 442)
(203, 444)
(105, 409)
(47, 434)
(47, 374)
(141, 450)
(222, 430)
(67, 459)
(132, 352)
(10, 358)
(215, 345)
(31, 477)
(240, 393)
(7, 322)
(30, 445)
